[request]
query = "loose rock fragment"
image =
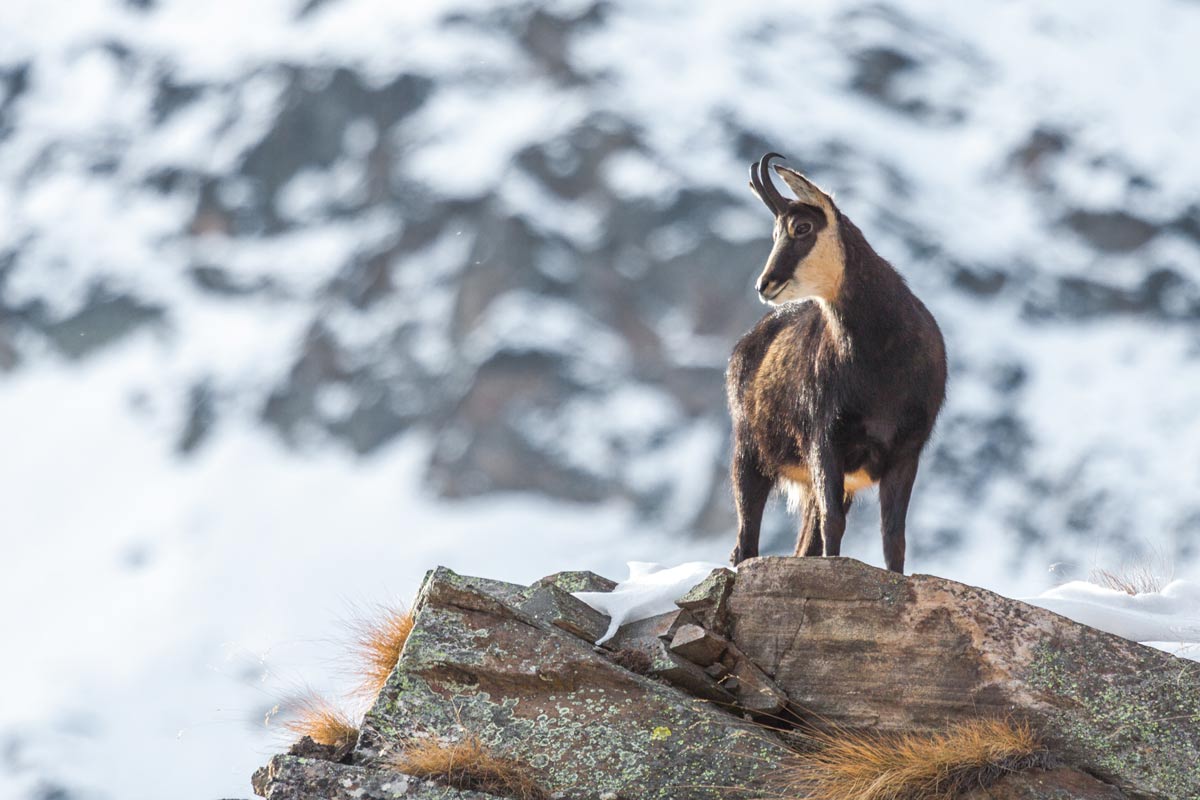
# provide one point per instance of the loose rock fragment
(716, 671)
(697, 644)
(755, 692)
(708, 600)
(683, 673)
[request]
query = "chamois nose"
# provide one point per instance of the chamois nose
(767, 288)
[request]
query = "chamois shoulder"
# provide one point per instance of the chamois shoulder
(795, 314)
(799, 321)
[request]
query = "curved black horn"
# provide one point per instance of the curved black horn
(778, 199)
(766, 189)
(757, 187)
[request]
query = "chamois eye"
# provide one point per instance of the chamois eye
(799, 229)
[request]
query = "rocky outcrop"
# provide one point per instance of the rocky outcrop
(860, 647)
(696, 704)
(489, 658)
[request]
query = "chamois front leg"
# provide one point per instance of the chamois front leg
(828, 487)
(895, 488)
(750, 491)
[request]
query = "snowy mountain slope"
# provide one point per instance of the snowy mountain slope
(324, 293)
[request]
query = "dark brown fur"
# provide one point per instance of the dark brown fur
(828, 394)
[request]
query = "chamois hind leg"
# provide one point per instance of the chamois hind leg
(808, 542)
(750, 491)
(894, 491)
(828, 485)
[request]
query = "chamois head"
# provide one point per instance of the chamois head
(807, 259)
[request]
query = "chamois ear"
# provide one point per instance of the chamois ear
(806, 191)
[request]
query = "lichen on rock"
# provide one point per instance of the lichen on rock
(826, 642)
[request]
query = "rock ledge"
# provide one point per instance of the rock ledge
(682, 706)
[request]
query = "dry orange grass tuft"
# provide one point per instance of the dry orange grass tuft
(378, 642)
(1137, 579)
(469, 765)
(323, 721)
(845, 765)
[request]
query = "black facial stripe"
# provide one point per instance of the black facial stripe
(789, 257)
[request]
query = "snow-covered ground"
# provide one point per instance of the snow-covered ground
(263, 267)
(1166, 618)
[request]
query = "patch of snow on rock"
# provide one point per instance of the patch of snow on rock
(651, 589)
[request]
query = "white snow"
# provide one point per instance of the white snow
(1168, 619)
(650, 589)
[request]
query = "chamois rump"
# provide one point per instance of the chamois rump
(838, 387)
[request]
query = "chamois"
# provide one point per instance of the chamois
(838, 387)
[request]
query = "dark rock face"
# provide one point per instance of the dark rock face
(105, 318)
(831, 640)
(318, 105)
(1112, 231)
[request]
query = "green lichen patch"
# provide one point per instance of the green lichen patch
(1139, 727)
(585, 725)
